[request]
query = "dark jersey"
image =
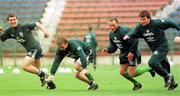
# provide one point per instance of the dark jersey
(116, 41)
(76, 49)
(153, 33)
(23, 34)
(90, 38)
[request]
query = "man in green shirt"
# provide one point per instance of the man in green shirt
(153, 33)
(80, 52)
(90, 38)
(130, 55)
(22, 33)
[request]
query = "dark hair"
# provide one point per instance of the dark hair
(90, 28)
(61, 40)
(114, 19)
(145, 13)
(11, 15)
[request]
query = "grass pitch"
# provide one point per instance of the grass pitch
(107, 76)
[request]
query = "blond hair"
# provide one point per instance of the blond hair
(61, 40)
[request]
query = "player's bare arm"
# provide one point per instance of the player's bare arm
(41, 27)
(104, 50)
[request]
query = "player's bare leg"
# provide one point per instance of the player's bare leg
(85, 76)
(81, 75)
(77, 75)
(123, 69)
(37, 64)
(124, 73)
(28, 65)
(132, 71)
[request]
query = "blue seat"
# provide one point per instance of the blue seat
(177, 13)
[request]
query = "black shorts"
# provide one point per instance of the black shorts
(91, 56)
(35, 53)
(124, 59)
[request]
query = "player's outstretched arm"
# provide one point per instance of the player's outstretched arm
(41, 27)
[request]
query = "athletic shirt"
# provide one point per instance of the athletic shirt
(76, 49)
(116, 41)
(22, 34)
(90, 38)
(153, 33)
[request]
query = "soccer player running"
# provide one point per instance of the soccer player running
(153, 33)
(22, 33)
(90, 38)
(80, 52)
(130, 55)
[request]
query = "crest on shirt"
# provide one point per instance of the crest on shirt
(21, 34)
(162, 20)
(147, 31)
(115, 38)
(156, 52)
(78, 48)
(12, 35)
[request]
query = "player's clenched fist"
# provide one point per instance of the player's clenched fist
(104, 50)
(1, 29)
(130, 56)
(50, 78)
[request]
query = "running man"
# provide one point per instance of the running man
(153, 33)
(129, 56)
(80, 52)
(22, 33)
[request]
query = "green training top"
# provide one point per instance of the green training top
(116, 41)
(23, 34)
(153, 33)
(90, 38)
(76, 49)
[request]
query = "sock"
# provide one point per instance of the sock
(41, 73)
(89, 76)
(141, 70)
(130, 79)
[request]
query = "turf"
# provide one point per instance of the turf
(107, 76)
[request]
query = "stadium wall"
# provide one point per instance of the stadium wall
(101, 60)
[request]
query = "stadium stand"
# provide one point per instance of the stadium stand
(79, 14)
(26, 10)
(176, 15)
